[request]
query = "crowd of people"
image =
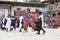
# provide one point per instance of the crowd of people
(52, 22)
(22, 19)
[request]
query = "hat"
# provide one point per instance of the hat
(24, 11)
(31, 12)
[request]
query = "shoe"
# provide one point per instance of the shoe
(3, 28)
(20, 30)
(11, 29)
(14, 28)
(37, 33)
(6, 29)
(44, 32)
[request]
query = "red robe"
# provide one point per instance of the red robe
(34, 18)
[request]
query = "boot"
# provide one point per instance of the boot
(38, 32)
(14, 28)
(44, 32)
(7, 29)
(3, 28)
(11, 29)
(20, 30)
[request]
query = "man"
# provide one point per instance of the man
(39, 24)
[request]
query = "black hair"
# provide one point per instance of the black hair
(40, 13)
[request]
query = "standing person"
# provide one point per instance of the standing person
(33, 16)
(8, 24)
(42, 17)
(21, 22)
(25, 20)
(4, 21)
(39, 24)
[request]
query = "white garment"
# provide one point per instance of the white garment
(8, 24)
(20, 24)
(41, 16)
(3, 22)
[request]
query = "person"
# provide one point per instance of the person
(20, 23)
(12, 23)
(4, 21)
(25, 20)
(0, 23)
(39, 24)
(33, 16)
(8, 24)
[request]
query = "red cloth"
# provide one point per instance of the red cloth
(58, 16)
(34, 18)
(31, 12)
(24, 11)
(25, 23)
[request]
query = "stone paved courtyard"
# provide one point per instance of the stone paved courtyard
(51, 34)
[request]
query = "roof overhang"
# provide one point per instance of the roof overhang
(32, 4)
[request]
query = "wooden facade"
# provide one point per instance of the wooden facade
(54, 8)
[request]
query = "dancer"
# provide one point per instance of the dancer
(34, 18)
(25, 20)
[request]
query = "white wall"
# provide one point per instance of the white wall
(31, 8)
(4, 12)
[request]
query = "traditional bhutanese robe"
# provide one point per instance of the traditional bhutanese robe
(8, 24)
(25, 21)
(34, 18)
